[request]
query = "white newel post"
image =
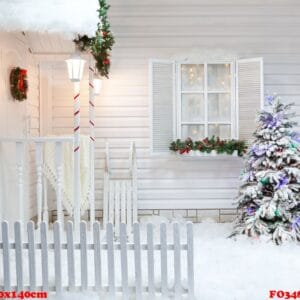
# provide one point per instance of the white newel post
(20, 149)
(92, 141)
(77, 183)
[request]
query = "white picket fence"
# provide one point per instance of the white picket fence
(138, 276)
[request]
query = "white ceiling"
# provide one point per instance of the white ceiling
(49, 43)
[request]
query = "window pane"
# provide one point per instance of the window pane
(219, 78)
(219, 108)
(196, 132)
(192, 107)
(222, 131)
(192, 77)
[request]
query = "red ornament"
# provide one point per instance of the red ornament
(104, 34)
(106, 61)
(23, 72)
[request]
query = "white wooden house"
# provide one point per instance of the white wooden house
(254, 44)
(179, 69)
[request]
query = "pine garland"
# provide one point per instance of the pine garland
(18, 83)
(207, 145)
(101, 44)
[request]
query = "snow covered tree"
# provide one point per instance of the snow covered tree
(269, 198)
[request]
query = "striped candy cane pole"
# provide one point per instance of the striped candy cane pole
(77, 183)
(92, 140)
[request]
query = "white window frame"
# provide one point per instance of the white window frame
(234, 109)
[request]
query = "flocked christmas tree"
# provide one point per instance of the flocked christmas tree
(269, 198)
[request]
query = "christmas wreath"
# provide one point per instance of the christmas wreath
(18, 83)
(101, 44)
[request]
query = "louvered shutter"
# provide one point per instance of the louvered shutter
(162, 105)
(250, 95)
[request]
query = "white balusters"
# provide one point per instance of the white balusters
(129, 206)
(59, 174)
(39, 175)
(45, 201)
(20, 153)
(120, 195)
(117, 207)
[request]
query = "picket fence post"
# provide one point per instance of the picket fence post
(70, 253)
(6, 256)
(19, 255)
(44, 256)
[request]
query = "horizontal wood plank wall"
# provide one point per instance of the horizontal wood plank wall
(18, 119)
(167, 29)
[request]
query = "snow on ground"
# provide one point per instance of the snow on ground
(227, 269)
(242, 269)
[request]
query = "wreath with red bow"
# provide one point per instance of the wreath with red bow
(18, 83)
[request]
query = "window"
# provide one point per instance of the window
(205, 100)
(200, 100)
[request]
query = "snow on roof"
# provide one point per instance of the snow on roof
(65, 16)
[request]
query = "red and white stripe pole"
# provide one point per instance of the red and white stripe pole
(92, 140)
(77, 183)
(75, 70)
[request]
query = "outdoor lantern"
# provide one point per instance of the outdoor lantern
(97, 85)
(75, 67)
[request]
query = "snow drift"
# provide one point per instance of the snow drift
(64, 16)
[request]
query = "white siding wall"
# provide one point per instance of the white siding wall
(17, 119)
(165, 29)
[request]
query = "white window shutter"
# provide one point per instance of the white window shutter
(162, 76)
(250, 95)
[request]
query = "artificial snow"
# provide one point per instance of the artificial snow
(228, 269)
(64, 16)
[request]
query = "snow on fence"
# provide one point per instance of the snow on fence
(143, 252)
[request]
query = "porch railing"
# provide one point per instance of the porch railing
(38, 144)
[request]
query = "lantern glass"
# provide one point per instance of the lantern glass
(97, 86)
(75, 66)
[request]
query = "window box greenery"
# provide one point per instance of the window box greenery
(209, 147)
